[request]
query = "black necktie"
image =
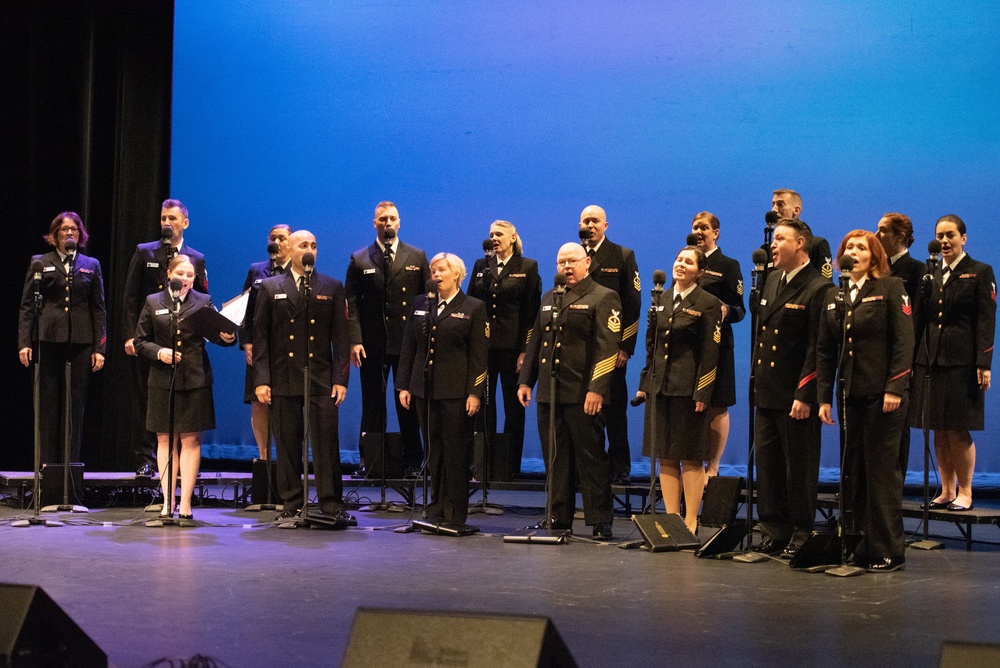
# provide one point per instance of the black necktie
(591, 252)
(677, 301)
(945, 274)
(782, 283)
(278, 269)
(854, 293)
(302, 285)
(499, 268)
(388, 257)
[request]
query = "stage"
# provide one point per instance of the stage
(246, 593)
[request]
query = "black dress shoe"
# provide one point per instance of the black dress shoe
(347, 518)
(412, 472)
(621, 479)
(955, 508)
(287, 514)
(886, 565)
(936, 505)
(144, 471)
(790, 551)
(361, 472)
(554, 526)
(602, 531)
(768, 546)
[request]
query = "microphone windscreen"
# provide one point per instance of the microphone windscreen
(846, 263)
(934, 247)
(692, 239)
(308, 260)
(166, 233)
(430, 286)
(560, 280)
(771, 217)
(175, 285)
(70, 245)
(390, 234)
(272, 248)
(585, 234)
(488, 245)
(759, 257)
(36, 266)
(659, 277)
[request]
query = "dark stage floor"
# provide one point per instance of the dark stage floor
(252, 595)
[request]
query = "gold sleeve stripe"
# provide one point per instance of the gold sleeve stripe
(631, 330)
(480, 379)
(604, 367)
(706, 380)
(527, 339)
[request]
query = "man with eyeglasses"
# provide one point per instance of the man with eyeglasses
(576, 335)
(382, 281)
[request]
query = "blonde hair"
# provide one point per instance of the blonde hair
(509, 226)
(454, 262)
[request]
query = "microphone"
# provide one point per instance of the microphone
(933, 250)
(308, 264)
(166, 234)
(927, 280)
(272, 250)
(585, 237)
(560, 283)
(846, 263)
(637, 400)
(175, 290)
(430, 289)
(659, 280)
(488, 247)
(692, 239)
(36, 270)
(846, 266)
(770, 220)
(390, 236)
(70, 247)
(759, 259)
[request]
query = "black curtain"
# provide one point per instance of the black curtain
(85, 118)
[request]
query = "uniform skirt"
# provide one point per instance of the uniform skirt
(249, 389)
(955, 401)
(681, 433)
(724, 394)
(194, 410)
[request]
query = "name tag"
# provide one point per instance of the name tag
(419, 312)
(152, 265)
(763, 302)
(830, 307)
(797, 307)
(258, 281)
(461, 316)
(875, 298)
(281, 295)
(369, 271)
(660, 308)
(48, 269)
(579, 307)
(323, 298)
(479, 275)
(162, 311)
(546, 308)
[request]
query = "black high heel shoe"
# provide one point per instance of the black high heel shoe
(189, 516)
(165, 514)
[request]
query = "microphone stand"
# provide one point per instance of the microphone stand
(66, 506)
(485, 506)
(35, 520)
(748, 556)
(170, 520)
(657, 293)
(843, 569)
(926, 543)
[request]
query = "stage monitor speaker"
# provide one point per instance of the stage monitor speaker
(371, 452)
(821, 550)
(665, 533)
(265, 476)
(384, 637)
(968, 655)
(722, 501)
(725, 540)
(34, 631)
(51, 484)
(502, 468)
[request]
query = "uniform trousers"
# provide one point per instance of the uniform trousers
(287, 426)
(502, 366)
(873, 481)
(620, 456)
(578, 453)
(52, 393)
(143, 440)
(373, 411)
(448, 435)
(787, 453)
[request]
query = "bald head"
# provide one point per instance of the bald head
(572, 260)
(594, 219)
(300, 243)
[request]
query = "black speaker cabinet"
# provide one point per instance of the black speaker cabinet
(383, 637)
(666, 533)
(722, 500)
(34, 631)
(264, 483)
(502, 467)
(51, 484)
(371, 452)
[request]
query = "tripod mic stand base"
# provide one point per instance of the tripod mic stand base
(36, 521)
(845, 571)
(390, 507)
(63, 508)
(442, 528)
(751, 557)
(926, 545)
(538, 536)
(486, 509)
(257, 507)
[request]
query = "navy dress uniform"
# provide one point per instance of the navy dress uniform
(787, 449)
(959, 324)
(582, 345)
(147, 275)
(684, 362)
(194, 406)
(378, 324)
(83, 304)
(512, 297)
(614, 267)
(723, 279)
(255, 276)
(876, 330)
(452, 344)
(290, 332)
